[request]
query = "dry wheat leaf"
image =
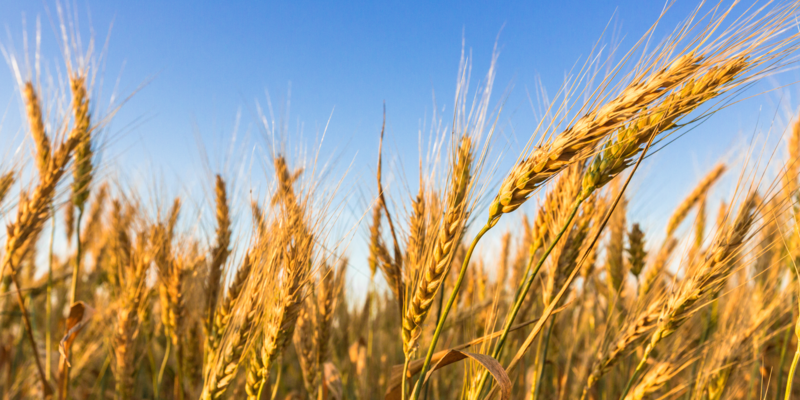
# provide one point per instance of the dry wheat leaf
(453, 356)
(79, 316)
(415, 366)
(333, 382)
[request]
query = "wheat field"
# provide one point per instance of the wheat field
(112, 290)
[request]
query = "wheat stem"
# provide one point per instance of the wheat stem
(538, 383)
(48, 301)
(29, 329)
(78, 254)
(167, 352)
(446, 310)
(524, 290)
(405, 375)
(784, 347)
(791, 374)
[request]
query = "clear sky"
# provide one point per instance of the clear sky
(204, 62)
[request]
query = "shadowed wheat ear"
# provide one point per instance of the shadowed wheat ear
(437, 263)
(737, 343)
(693, 198)
(305, 343)
(653, 273)
(636, 252)
(312, 334)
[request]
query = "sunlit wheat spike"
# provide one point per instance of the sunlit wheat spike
(699, 191)
(631, 335)
(82, 170)
(229, 301)
(33, 109)
(653, 273)
(6, 181)
(132, 289)
(416, 227)
(655, 378)
(708, 276)
(438, 261)
(220, 251)
(578, 141)
(229, 354)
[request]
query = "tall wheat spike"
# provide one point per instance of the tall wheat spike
(438, 261)
(694, 197)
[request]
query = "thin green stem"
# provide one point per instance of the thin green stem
(78, 254)
(791, 373)
(543, 361)
(523, 291)
(425, 385)
(179, 379)
(29, 330)
(446, 310)
(403, 378)
(277, 384)
(48, 303)
(152, 359)
(784, 349)
(102, 374)
(167, 352)
(638, 370)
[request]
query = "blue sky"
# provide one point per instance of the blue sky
(203, 63)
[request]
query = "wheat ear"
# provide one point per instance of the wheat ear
(33, 110)
(579, 140)
(438, 262)
(6, 181)
(706, 278)
(218, 254)
(693, 198)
